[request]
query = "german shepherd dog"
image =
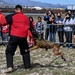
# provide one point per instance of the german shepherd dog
(42, 43)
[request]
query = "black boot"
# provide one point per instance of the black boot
(9, 59)
(26, 60)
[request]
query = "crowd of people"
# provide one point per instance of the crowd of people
(20, 27)
(63, 25)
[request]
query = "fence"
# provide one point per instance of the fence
(58, 33)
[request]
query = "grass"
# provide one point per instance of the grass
(41, 63)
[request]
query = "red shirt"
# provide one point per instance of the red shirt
(20, 25)
(2, 19)
(19, 22)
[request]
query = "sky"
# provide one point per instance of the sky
(71, 2)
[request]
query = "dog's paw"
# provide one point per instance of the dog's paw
(63, 58)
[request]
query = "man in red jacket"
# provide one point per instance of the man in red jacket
(19, 25)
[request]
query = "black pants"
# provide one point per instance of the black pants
(61, 37)
(68, 35)
(11, 48)
(47, 33)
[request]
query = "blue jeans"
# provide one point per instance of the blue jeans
(5, 38)
(52, 37)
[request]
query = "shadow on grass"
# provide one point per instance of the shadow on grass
(38, 65)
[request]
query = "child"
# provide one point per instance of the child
(32, 25)
(40, 27)
(5, 34)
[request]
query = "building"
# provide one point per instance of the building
(37, 8)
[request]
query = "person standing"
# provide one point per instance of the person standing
(32, 26)
(68, 28)
(74, 32)
(40, 27)
(46, 18)
(20, 25)
(60, 30)
(52, 28)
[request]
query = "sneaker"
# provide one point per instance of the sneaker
(4, 44)
(70, 47)
(29, 68)
(67, 46)
(73, 46)
(8, 70)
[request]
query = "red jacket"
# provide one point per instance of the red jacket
(19, 24)
(2, 19)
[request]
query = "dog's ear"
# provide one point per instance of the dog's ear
(35, 34)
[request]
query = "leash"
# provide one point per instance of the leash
(54, 59)
(57, 58)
